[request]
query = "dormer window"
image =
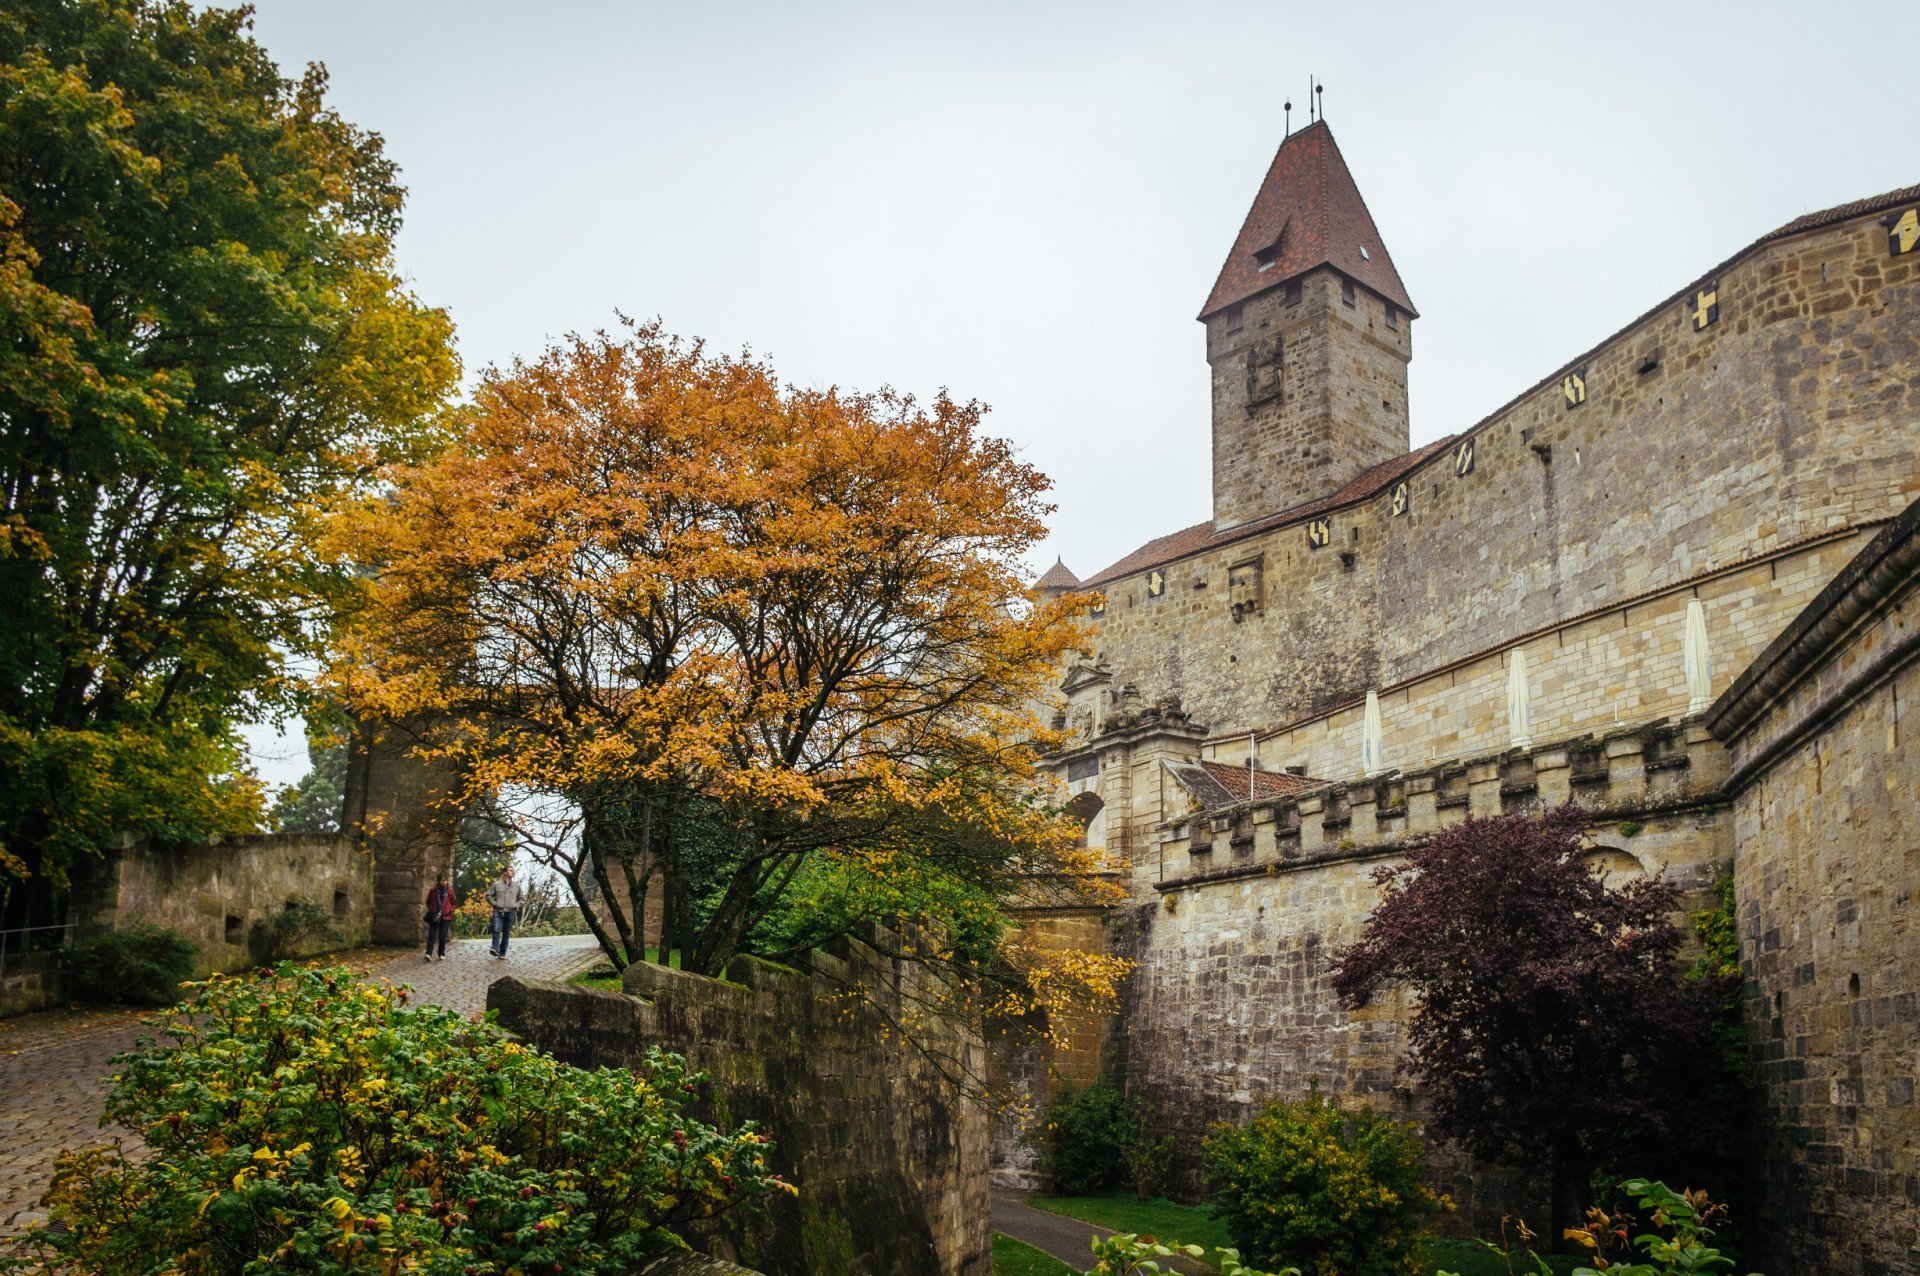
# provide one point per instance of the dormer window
(1266, 258)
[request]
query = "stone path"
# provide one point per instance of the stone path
(54, 1067)
(1067, 1239)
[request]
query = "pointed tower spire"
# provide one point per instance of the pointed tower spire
(1309, 331)
(1308, 213)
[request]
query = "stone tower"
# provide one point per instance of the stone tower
(1309, 331)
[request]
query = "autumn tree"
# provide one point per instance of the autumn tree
(761, 639)
(1553, 1028)
(206, 345)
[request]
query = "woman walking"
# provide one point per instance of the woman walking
(439, 918)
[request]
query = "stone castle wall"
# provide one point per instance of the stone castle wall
(216, 894)
(1235, 940)
(1789, 418)
(890, 1157)
(1826, 786)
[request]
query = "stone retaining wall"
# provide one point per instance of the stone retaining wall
(890, 1156)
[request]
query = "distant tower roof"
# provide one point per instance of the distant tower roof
(1058, 577)
(1308, 213)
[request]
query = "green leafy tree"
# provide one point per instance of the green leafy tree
(315, 802)
(207, 345)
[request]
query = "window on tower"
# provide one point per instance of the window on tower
(1346, 291)
(1266, 258)
(1293, 293)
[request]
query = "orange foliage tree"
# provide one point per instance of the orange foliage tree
(766, 644)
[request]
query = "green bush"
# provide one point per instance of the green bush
(138, 966)
(1089, 1134)
(1333, 1192)
(306, 1121)
(294, 931)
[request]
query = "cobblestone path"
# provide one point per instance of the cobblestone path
(54, 1067)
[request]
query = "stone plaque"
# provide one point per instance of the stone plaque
(1244, 588)
(1264, 371)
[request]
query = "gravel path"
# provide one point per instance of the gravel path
(55, 1067)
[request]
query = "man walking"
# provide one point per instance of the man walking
(439, 918)
(506, 896)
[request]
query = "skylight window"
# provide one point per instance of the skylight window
(1266, 258)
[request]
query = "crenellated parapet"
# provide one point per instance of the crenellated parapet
(1657, 769)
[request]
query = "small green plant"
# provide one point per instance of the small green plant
(1682, 1226)
(138, 966)
(1628, 828)
(1336, 1192)
(299, 928)
(1147, 1160)
(1089, 1134)
(309, 1121)
(1126, 1254)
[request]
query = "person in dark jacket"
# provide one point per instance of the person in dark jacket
(439, 918)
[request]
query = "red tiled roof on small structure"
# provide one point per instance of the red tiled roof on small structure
(1308, 213)
(1203, 536)
(1217, 784)
(1057, 577)
(1266, 784)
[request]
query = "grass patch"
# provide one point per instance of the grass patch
(1469, 1259)
(1016, 1258)
(1192, 1225)
(1124, 1212)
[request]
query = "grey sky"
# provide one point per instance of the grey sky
(1027, 203)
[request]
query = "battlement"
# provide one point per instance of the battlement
(1659, 768)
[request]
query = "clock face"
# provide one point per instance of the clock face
(1401, 494)
(1319, 533)
(1156, 583)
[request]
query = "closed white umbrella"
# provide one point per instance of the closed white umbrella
(1519, 712)
(1699, 663)
(1373, 744)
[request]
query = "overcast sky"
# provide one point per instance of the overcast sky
(1027, 203)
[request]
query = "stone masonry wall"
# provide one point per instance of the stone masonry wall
(1326, 371)
(216, 892)
(1231, 1003)
(890, 1158)
(1827, 851)
(1791, 417)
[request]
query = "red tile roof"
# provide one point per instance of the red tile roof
(1311, 214)
(1202, 536)
(1057, 577)
(1266, 784)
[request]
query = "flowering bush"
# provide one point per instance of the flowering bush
(1338, 1193)
(306, 1121)
(1681, 1226)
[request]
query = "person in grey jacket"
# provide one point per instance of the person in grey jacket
(506, 896)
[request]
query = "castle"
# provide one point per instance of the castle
(1675, 581)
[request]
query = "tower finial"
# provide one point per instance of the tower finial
(1321, 112)
(1288, 108)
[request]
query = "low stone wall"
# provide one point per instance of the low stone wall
(32, 981)
(889, 1154)
(217, 894)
